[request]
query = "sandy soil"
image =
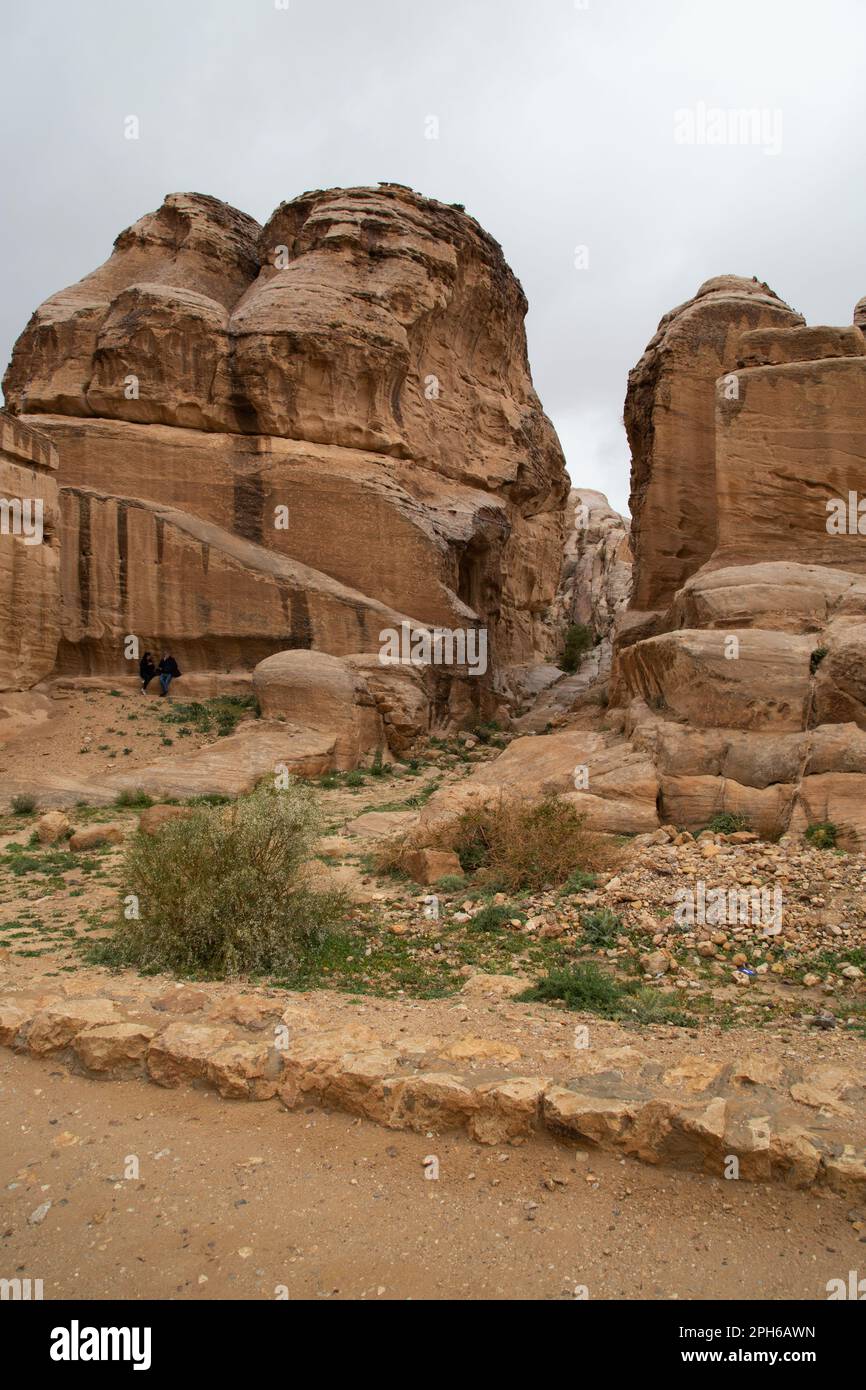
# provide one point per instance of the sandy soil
(244, 1202)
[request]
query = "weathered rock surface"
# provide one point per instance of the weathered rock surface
(670, 421)
(739, 670)
(784, 1122)
(29, 555)
(294, 437)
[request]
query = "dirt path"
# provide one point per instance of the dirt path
(239, 1201)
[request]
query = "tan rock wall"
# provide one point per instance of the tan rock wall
(29, 567)
(670, 421)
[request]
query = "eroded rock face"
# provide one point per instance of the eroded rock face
(29, 556)
(346, 391)
(669, 417)
(747, 689)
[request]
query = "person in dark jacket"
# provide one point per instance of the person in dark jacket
(147, 670)
(168, 671)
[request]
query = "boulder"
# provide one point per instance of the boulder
(429, 865)
(53, 826)
(324, 694)
(94, 836)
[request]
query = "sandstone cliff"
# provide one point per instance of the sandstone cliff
(738, 681)
(333, 410)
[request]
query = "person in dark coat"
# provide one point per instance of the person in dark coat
(147, 670)
(168, 671)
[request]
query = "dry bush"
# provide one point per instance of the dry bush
(518, 844)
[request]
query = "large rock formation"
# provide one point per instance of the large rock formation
(748, 689)
(738, 681)
(302, 435)
(295, 436)
(670, 421)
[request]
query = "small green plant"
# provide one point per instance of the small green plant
(377, 767)
(591, 990)
(451, 883)
(822, 834)
(495, 916)
(355, 778)
(601, 928)
(578, 882)
(582, 986)
(578, 640)
(23, 805)
(133, 798)
(816, 658)
(726, 823)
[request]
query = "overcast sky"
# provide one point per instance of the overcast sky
(561, 126)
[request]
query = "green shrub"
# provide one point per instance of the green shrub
(23, 805)
(582, 986)
(591, 990)
(578, 881)
(220, 715)
(355, 778)
(226, 890)
(133, 798)
(823, 834)
(726, 823)
(578, 640)
(377, 768)
(816, 658)
(601, 928)
(494, 916)
(451, 883)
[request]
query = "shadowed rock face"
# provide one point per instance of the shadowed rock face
(360, 364)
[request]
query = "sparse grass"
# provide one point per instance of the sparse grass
(496, 915)
(451, 883)
(578, 882)
(133, 798)
(23, 805)
(220, 715)
(592, 990)
(726, 823)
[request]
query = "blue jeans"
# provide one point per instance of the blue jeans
(165, 681)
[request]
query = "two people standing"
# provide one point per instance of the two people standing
(167, 670)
